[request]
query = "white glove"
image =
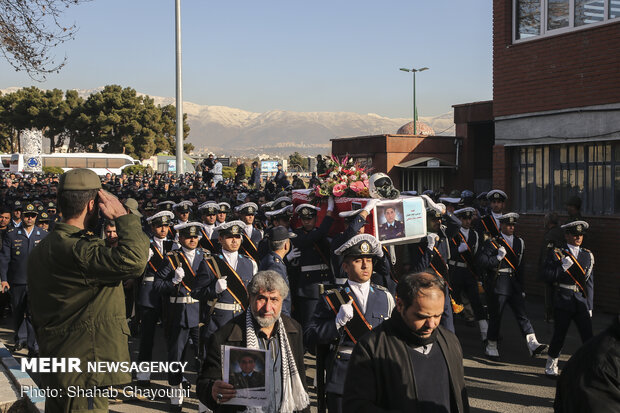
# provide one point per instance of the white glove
(150, 254)
(179, 273)
(566, 263)
(220, 285)
(293, 253)
(462, 247)
(437, 207)
(590, 311)
(371, 204)
(344, 314)
(501, 253)
(431, 238)
(330, 203)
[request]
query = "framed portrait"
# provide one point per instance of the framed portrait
(244, 368)
(400, 221)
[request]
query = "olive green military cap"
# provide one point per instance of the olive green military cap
(132, 205)
(79, 179)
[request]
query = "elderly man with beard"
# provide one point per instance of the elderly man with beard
(262, 326)
(409, 363)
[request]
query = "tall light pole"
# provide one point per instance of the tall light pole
(179, 94)
(415, 126)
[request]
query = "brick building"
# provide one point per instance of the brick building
(419, 162)
(556, 104)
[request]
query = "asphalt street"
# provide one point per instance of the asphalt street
(516, 383)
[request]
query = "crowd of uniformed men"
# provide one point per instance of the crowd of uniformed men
(208, 239)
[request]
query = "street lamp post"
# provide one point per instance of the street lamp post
(413, 70)
(179, 90)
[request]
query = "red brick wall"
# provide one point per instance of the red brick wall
(575, 69)
(601, 240)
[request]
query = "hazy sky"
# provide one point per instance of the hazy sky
(337, 55)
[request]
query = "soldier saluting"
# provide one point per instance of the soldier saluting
(76, 295)
(570, 268)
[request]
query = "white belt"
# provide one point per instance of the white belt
(345, 349)
(149, 279)
(224, 306)
(317, 267)
(183, 300)
(457, 264)
(572, 287)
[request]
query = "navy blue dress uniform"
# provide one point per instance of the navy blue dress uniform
(251, 235)
(183, 207)
(383, 272)
(502, 258)
(571, 269)
(16, 246)
(434, 260)
(392, 230)
(168, 206)
(237, 270)
(464, 273)
(314, 264)
(207, 241)
(371, 304)
(17, 206)
(148, 299)
(183, 310)
(273, 261)
(488, 225)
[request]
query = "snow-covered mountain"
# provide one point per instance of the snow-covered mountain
(237, 131)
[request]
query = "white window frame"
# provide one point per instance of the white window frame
(571, 21)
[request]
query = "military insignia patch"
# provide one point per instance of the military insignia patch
(251, 210)
(234, 229)
(365, 247)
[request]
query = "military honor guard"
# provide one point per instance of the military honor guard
(432, 253)
(502, 258)
(148, 300)
(464, 274)
(16, 214)
(489, 224)
(177, 279)
(280, 245)
(182, 211)
(345, 314)
(227, 297)
(314, 261)
(222, 213)
(570, 268)
(17, 245)
(251, 235)
(208, 211)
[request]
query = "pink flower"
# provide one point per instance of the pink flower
(364, 176)
(357, 186)
(339, 189)
(366, 183)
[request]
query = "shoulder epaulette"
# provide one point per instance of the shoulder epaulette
(332, 291)
(10, 230)
(586, 250)
(171, 253)
(379, 287)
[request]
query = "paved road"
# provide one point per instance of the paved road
(514, 384)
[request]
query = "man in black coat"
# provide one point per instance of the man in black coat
(263, 327)
(239, 172)
(409, 363)
(589, 381)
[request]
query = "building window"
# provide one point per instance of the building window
(560, 16)
(546, 176)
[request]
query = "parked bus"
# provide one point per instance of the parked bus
(100, 163)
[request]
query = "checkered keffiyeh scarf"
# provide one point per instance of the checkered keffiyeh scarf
(294, 396)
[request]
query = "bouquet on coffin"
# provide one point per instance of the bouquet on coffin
(394, 218)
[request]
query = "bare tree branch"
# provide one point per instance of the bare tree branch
(30, 30)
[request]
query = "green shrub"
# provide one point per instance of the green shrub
(135, 170)
(53, 170)
(228, 172)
